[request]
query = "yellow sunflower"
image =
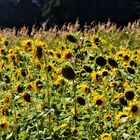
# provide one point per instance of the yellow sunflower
(67, 54)
(7, 99)
(4, 124)
(95, 77)
(106, 136)
(134, 108)
(99, 100)
(121, 118)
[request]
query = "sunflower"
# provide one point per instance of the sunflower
(95, 77)
(105, 72)
(68, 72)
(27, 97)
(27, 44)
(38, 85)
(71, 38)
(112, 62)
(112, 49)
(95, 41)
(51, 54)
(4, 110)
(99, 100)
(121, 118)
(106, 136)
(134, 108)
(129, 95)
(81, 100)
(39, 52)
(7, 99)
(84, 88)
(20, 88)
(126, 85)
(120, 99)
(101, 61)
(133, 63)
(131, 70)
(67, 54)
(4, 124)
(107, 117)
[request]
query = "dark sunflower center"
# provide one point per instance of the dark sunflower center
(134, 109)
(105, 73)
(39, 84)
(108, 118)
(68, 55)
(126, 57)
(123, 116)
(2, 125)
(129, 95)
(29, 43)
(123, 101)
(20, 89)
(99, 102)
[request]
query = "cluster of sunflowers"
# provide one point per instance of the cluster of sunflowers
(67, 84)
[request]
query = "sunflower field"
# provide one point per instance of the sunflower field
(70, 84)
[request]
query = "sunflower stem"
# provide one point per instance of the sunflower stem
(75, 97)
(33, 104)
(15, 120)
(49, 101)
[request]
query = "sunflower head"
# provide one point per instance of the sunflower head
(129, 95)
(39, 52)
(134, 109)
(68, 72)
(101, 61)
(121, 118)
(67, 54)
(27, 97)
(7, 99)
(99, 100)
(71, 38)
(3, 124)
(106, 136)
(95, 77)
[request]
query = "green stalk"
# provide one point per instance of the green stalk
(75, 103)
(49, 103)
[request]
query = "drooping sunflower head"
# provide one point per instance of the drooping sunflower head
(27, 97)
(68, 72)
(39, 52)
(101, 61)
(71, 38)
